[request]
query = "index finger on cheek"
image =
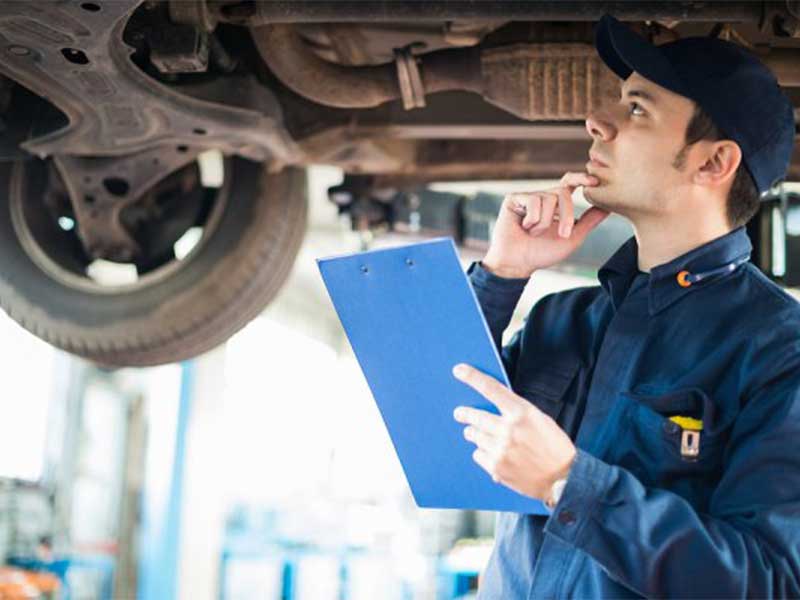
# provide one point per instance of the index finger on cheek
(575, 179)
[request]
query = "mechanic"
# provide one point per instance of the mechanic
(658, 414)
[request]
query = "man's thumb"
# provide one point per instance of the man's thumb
(588, 221)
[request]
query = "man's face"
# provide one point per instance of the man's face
(636, 140)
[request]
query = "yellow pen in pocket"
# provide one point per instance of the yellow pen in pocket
(688, 423)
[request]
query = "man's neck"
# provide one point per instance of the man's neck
(661, 240)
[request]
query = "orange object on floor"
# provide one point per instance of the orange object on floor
(18, 584)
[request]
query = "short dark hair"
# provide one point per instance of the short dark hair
(743, 197)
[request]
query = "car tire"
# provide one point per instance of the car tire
(230, 279)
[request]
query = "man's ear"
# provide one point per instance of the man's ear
(722, 158)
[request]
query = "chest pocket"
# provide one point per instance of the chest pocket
(545, 383)
(650, 445)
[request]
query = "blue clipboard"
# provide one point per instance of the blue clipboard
(410, 314)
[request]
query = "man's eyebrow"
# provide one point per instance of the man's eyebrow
(636, 93)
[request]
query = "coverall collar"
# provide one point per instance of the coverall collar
(619, 271)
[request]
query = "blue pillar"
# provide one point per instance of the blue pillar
(162, 493)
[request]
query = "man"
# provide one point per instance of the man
(658, 414)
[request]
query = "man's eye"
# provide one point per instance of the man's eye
(636, 110)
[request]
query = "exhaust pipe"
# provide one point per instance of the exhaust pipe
(534, 81)
(302, 71)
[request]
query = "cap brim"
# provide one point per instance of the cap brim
(624, 52)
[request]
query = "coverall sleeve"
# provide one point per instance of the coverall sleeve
(498, 298)
(653, 541)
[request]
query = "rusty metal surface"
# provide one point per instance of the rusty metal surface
(359, 44)
(192, 12)
(114, 109)
(100, 189)
(546, 81)
(474, 131)
(294, 11)
(404, 162)
(534, 81)
(180, 49)
(411, 89)
(785, 64)
(453, 159)
(556, 81)
(447, 159)
(302, 71)
(76, 58)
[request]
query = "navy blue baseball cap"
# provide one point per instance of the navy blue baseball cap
(735, 89)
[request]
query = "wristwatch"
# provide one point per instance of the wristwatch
(555, 493)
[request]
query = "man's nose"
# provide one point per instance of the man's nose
(600, 126)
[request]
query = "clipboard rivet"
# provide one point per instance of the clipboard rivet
(364, 269)
(409, 262)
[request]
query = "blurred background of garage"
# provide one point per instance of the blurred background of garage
(259, 470)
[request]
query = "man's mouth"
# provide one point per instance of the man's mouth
(595, 161)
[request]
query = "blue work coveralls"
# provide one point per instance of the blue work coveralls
(611, 364)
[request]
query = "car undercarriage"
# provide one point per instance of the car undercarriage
(129, 124)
